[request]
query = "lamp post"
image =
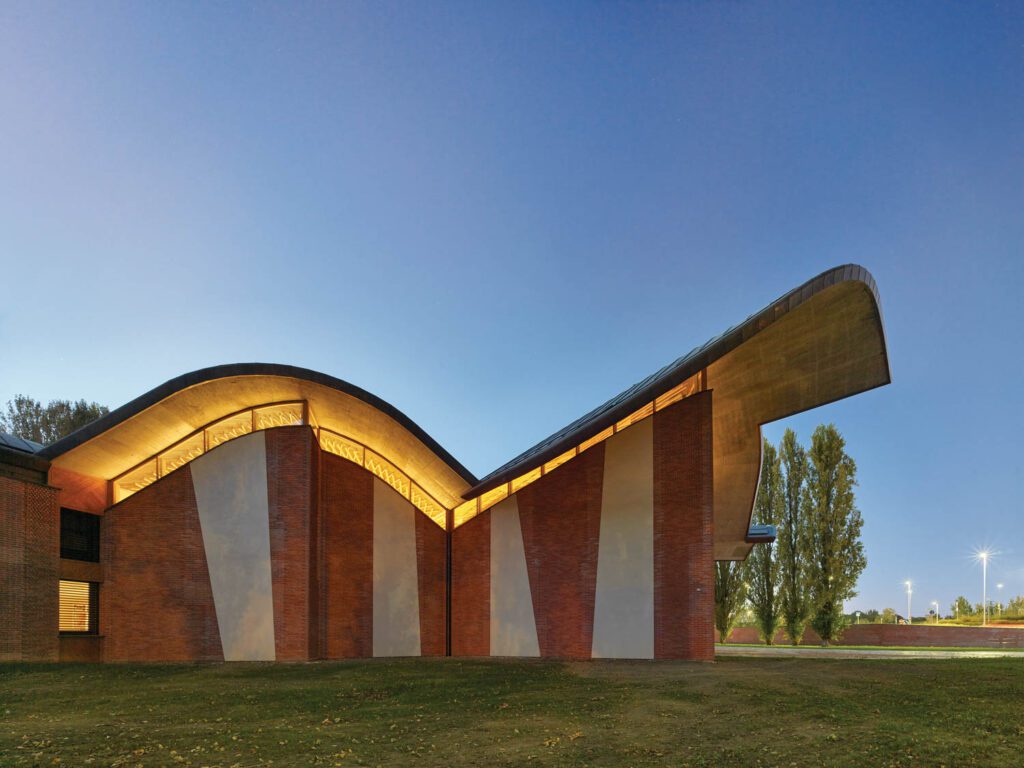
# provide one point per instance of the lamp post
(983, 555)
(936, 604)
(910, 591)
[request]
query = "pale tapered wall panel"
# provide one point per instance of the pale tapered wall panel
(230, 485)
(396, 607)
(513, 627)
(624, 598)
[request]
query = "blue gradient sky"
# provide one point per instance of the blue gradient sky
(497, 218)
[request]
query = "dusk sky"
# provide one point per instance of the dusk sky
(496, 217)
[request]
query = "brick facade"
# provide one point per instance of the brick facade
(156, 603)
(291, 501)
(431, 545)
(560, 515)
(347, 522)
(471, 588)
(29, 570)
(684, 587)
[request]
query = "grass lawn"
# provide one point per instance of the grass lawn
(452, 712)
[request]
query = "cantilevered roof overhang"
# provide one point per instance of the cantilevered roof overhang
(821, 342)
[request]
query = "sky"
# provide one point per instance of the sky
(495, 217)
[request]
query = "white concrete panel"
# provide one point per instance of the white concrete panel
(624, 600)
(396, 597)
(231, 493)
(513, 627)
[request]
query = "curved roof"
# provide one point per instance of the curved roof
(151, 422)
(820, 342)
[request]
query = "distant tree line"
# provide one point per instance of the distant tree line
(804, 577)
(29, 419)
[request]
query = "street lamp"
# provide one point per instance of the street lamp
(936, 604)
(983, 556)
(910, 591)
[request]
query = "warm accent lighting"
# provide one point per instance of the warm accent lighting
(473, 507)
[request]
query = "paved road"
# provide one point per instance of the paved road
(850, 653)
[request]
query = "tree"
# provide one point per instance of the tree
(888, 616)
(835, 553)
(792, 539)
(730, 592)
(31, 420)
(763, 569)
(961, 607)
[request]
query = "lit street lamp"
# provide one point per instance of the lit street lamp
(983, 556)
(910, 591)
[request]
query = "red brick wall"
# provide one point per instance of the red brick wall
(684, 590)
(471, 588)
(156, 603)
(913, 636)
(29, 571)
(431, 542)
(560, 515)
(290, 496)
(347, 522)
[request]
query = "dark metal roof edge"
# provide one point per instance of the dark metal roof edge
(678, 371)
(180, 383)
(761, 534)
(16, 458)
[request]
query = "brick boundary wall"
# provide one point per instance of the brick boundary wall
(915, 636)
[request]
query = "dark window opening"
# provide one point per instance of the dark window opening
(79, 536)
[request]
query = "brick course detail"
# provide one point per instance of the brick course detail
(29, 568)
(684, 588)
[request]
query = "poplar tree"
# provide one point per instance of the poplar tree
(730, 592)
(792, 539)
(763, 567)
(835, 552)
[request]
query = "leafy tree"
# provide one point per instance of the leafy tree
(730, 592)
(29, 419)
(888, 616)
(835, 553)
(792, 539)
(871, 617)
(763, 568)
(961, 607)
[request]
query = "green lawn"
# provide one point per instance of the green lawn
(738, 711)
